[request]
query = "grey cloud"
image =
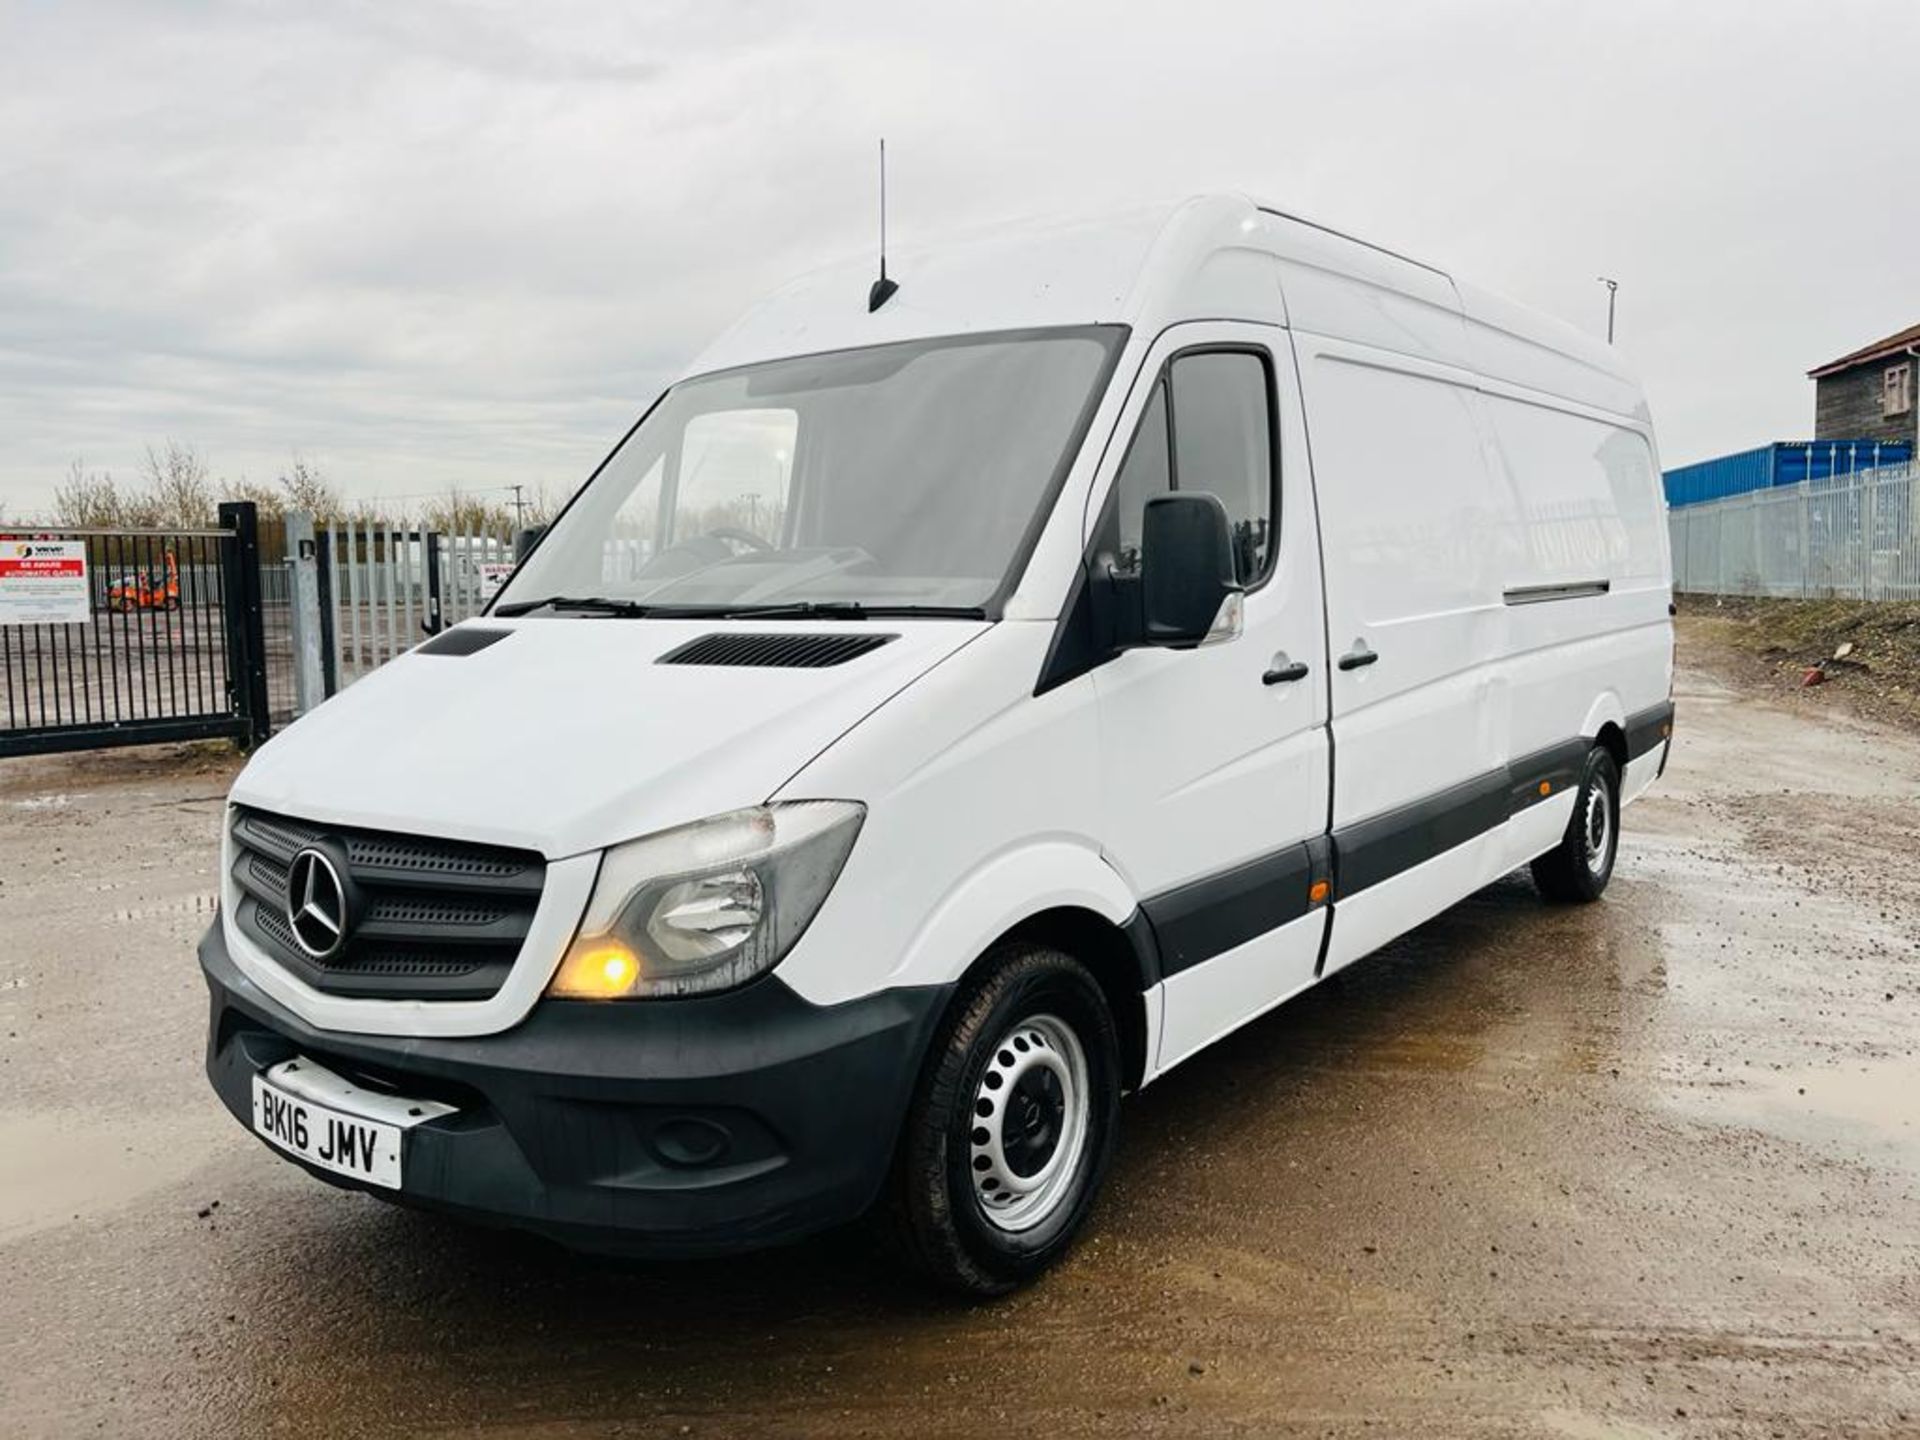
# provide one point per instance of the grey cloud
(427, 244)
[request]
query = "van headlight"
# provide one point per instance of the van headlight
(709, 905)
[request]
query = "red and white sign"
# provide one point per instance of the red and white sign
(494, 574)
(44, 582)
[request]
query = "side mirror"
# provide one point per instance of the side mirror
(525, 540)
(1188, 594)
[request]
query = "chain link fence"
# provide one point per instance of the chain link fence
(1856, 538)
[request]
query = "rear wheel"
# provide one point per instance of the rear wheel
(1578, 868)
(1012, 1125)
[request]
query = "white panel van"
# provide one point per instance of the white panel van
(944, 712)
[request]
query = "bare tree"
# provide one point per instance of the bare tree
(543, 504)
(180, 492)
(307, 489)
(89, 498)
(376, 514)
(459, 513)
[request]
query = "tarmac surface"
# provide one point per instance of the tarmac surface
(1644, 1168)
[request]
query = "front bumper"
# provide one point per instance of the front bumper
(678, 1127)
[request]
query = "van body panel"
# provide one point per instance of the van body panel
(527, 712)
(1335, 285)
(1418, 538)
(1641, 774)
(1204, 1002)
(1409, 898)
(982, 810)
(1524, 347)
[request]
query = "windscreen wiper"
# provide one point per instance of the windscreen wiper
(822, 610)
(604, 604)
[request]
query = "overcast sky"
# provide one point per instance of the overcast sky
(428, 244)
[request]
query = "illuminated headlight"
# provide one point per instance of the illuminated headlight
(707, 906)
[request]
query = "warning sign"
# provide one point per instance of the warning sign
(494, 574)
(44, 582)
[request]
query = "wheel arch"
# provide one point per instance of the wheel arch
(1121, 958)
(1058, 891)
(1606, 725)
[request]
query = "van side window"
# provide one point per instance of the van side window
(1217, 439)
(1222, 443)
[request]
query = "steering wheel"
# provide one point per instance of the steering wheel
(744, 537)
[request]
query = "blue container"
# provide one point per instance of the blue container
(1785, 462)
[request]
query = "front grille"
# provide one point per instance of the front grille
(430, 919)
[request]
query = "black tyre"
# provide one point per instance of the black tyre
(1578, 868)
(1012, 1124)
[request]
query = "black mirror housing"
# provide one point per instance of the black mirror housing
(525, 539)
(1186, 567)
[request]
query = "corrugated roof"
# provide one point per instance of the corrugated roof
(1892, 345)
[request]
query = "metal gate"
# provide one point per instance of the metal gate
(384, 590)
(173, 647)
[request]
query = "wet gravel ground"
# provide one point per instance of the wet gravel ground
(1644, 1168)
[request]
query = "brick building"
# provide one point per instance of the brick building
(1869, 395)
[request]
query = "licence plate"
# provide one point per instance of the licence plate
(308, 1111)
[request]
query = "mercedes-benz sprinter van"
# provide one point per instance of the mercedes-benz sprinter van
(945, 711)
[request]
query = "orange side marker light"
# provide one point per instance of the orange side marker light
(1546, 787)
(1317, 892)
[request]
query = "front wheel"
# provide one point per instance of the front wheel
(1578, 868)
(1012, 1125)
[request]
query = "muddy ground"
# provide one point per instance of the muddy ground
(1861, 658)
(1645, 1168)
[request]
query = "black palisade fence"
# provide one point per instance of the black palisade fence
(172, 646)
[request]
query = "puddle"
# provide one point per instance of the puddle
(1870, 1107)
(61, 1166)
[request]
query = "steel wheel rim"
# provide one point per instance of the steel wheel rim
(1598, 824)
(1022, 1170)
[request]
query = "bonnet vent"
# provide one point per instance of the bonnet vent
(801, 652)
(463, 640)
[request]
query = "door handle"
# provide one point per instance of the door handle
(1284, 670)
(1356, 657)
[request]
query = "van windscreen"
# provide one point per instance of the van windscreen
(906, 476)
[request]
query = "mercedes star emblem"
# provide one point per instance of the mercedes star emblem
(316, 904)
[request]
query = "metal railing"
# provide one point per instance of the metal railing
(1856, 537)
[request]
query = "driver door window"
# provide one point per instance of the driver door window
(1208, 428)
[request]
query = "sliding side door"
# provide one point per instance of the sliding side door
(1418, 536)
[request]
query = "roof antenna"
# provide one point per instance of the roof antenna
(883, 288)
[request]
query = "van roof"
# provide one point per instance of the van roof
(1211, 257)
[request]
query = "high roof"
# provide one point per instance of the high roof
(1208, 258)
(1894, 344)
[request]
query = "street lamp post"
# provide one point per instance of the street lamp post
(1613, 289)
